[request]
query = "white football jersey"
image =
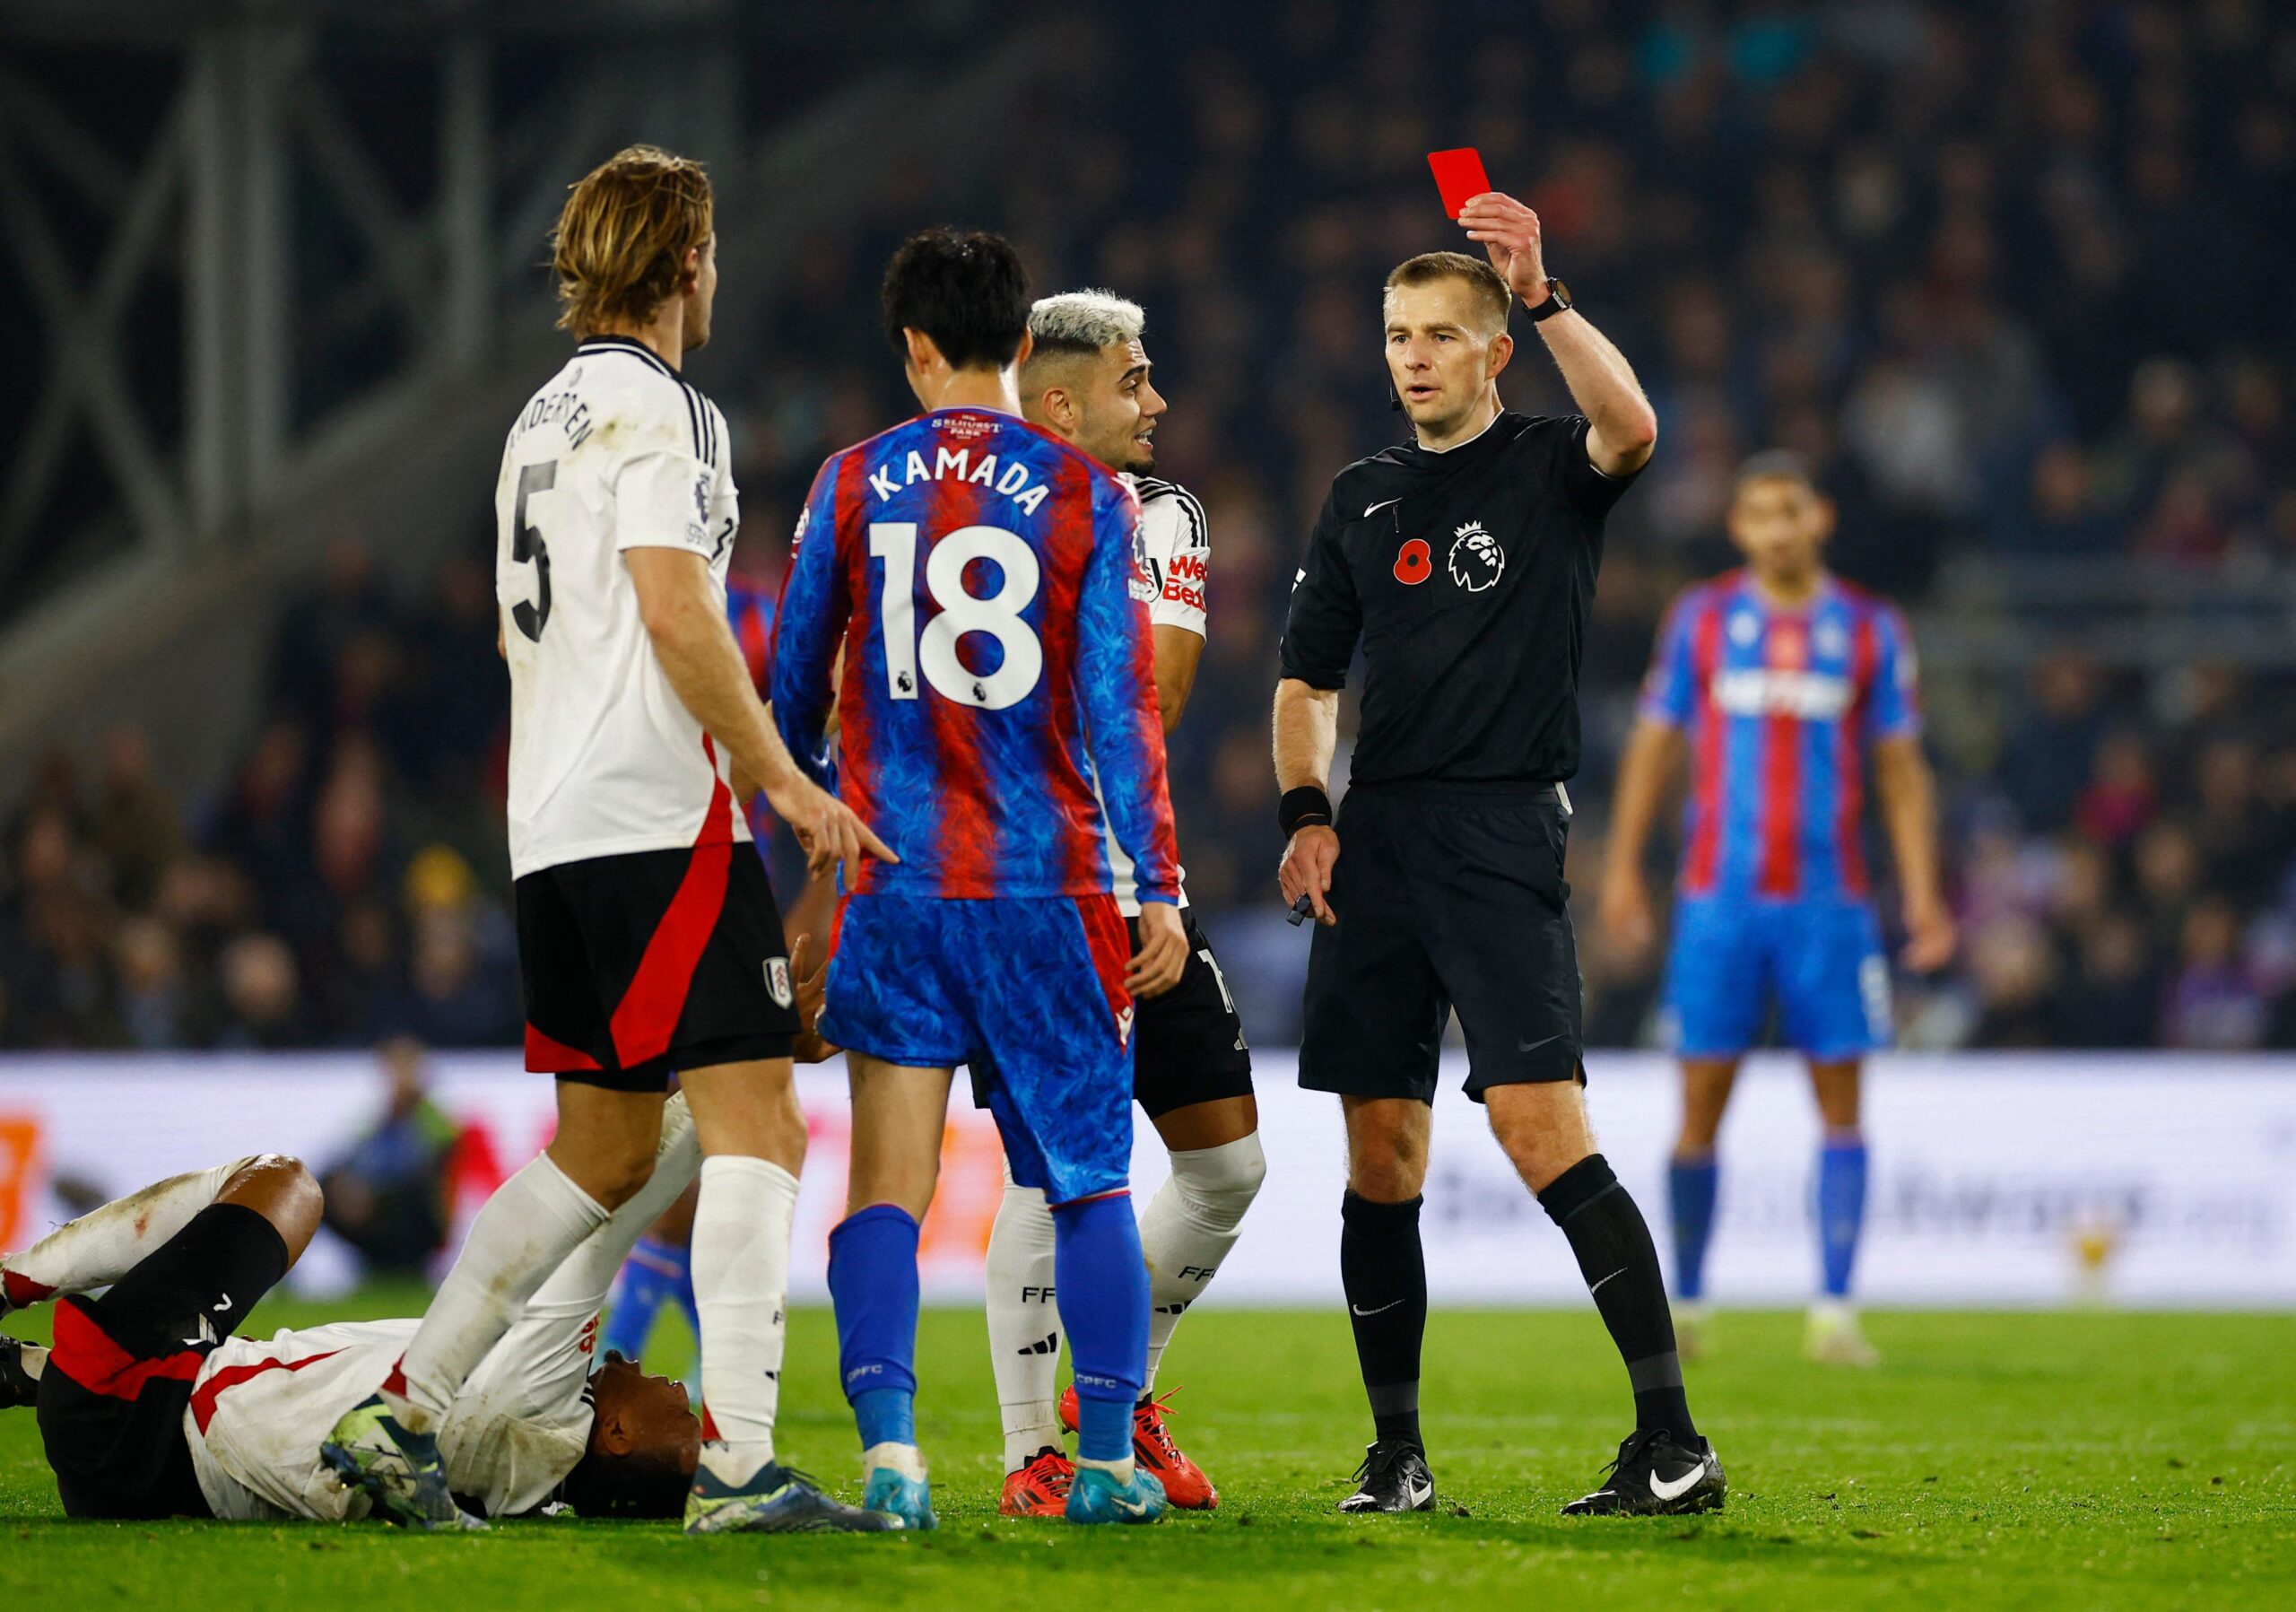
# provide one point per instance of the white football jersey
(1174, 549)
(616, 452)
(260, 1409)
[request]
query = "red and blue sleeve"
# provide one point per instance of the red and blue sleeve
(1116, 676)
(808, 625)
(1893, 706)
(1670, 689)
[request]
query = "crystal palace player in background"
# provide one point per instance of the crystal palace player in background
(1464, 565)
(978, 574)
(148, 1407)
(646, 944)
(1779, 680)
(1087, 382)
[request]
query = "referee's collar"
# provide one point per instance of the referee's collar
(1455, 447)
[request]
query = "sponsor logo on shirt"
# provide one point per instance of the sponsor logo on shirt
(1811, 697)
(1182, 580)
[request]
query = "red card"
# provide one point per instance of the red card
(1459, 176)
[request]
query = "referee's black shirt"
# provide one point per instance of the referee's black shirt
(1467, 575)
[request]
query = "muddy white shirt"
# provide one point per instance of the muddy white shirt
(1174, 549)
(260, 1409)
(616, 452)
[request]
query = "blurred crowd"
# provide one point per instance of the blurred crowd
(2016, 277)
(346, 886)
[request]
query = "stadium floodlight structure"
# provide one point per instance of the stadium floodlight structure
(266, 248)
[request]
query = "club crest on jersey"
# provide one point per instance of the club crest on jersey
(1477, 561)
(1414, 564)
(1147, 583)
(777, 981)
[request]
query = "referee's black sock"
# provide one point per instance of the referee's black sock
(1620, 1265)
(1385, 1272)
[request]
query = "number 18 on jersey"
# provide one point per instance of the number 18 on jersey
(980, 576)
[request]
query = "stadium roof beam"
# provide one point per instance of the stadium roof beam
(262, 125)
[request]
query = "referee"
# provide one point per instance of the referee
(1464, 563)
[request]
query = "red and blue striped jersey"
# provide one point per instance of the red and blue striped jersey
(750, 612)
(982, 577)
(1782, 706)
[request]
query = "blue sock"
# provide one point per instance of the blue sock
(1842, 1207)
(872, 1284)
(1691, 1182)
(1103, 1284)
(655, 1274)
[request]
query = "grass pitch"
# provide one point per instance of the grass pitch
(1994, 1460)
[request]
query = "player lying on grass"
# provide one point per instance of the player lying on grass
(1778, 681)
(1086, 380)
(149, 1407)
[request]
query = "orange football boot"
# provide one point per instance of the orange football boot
(1041, 1488)
(1184, 1484)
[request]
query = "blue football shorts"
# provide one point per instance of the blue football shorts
(1821, 961)
(1032, 987)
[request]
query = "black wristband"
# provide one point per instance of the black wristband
(1302, 807)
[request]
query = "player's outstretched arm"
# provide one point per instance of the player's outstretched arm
(1306, 733)
(1653, 753)
(1624, 427)
(1907, 791)
(692, 638)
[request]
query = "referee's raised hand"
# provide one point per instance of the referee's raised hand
(1510, 235)
(1306, 869)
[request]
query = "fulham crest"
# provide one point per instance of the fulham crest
(1477, 561)
(776, 980)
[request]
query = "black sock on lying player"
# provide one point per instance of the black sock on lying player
(1385, 1272)
(1620, 1265)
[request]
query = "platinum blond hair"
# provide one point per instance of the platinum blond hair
(1084, 321)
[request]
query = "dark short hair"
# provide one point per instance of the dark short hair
(648, 1484)
(1777, 465)
(964, 288)
(1489, 289)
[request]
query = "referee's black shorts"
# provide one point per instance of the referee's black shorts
(1450, 897)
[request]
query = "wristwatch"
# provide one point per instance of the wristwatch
(1558, 301)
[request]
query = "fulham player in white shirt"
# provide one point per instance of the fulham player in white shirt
(646, 944)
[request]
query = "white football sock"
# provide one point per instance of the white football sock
(105, 1244)
(578, 1287)
(1189, 1226)
(741, 1284)
(531, 1224)
(1023, 1323)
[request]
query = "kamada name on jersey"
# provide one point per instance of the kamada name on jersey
(1012, 481)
